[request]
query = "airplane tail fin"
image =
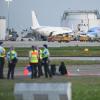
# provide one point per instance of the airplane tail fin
(35, 23)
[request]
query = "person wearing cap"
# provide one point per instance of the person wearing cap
(2, 60)
(33, 60)
(12, 60)
(46, 55)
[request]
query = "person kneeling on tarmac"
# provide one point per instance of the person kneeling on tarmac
(62, 68)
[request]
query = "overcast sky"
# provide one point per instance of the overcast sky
(49, 12)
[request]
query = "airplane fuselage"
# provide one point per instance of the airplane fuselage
(46, 30)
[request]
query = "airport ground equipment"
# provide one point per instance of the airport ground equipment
(83, 37)
(60, 38)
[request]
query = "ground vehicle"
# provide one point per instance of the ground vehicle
(25, 39)
(83, 37)
(60, 38)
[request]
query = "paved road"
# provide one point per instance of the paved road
(73, 70)
(50, 44)
(68, 58)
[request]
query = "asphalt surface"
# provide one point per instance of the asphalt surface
(73, 70)
(50, 44)
(68, 58)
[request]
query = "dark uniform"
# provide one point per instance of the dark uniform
(12, 60)
(46, 55)
(40, 72)
(2, 60)
(62, 69)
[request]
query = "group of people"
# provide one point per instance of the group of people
(40, 57)
(37, 58)
(12, 60)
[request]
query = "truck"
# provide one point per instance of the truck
(83, 37)
(60, 38)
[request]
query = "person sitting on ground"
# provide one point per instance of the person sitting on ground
(62, 68)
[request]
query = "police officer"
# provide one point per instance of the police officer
(40, 63)
(46, 55)
(33, 60)
(2, 60)
(12, 60)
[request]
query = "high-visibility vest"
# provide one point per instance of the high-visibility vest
(34, 56)
(40, 54)
(45, 53)
(2, 54)
(12, 54)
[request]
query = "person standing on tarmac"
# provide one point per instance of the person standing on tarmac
(33, 60)
(2, 60)
(40, 63)
(46, 55)
(12, 60)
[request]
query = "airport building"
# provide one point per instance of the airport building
(80, 20)
(2, 28)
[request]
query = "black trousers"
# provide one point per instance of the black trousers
(34, 70)
(2, 61)
(47, 71)
(40, 72)
(11, 67)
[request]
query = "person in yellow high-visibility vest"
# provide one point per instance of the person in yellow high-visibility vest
(12, 60)
(40, 63)
(2, 60)
(46, 55)
(33, 60)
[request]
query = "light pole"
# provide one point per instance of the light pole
(8, 5)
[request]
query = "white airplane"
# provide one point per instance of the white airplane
(48, 30)
(94, 32)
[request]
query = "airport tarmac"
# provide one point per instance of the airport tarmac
(73, 70)
(68, 58)
(50, 44)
